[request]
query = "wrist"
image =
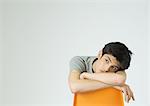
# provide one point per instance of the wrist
(117, 87)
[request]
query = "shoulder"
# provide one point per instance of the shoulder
(76, 59)
(81, 58)
(78, 63)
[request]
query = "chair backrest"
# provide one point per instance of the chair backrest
(103, 97)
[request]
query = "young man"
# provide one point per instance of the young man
(107, 69)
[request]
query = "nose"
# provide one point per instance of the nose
(106, 68)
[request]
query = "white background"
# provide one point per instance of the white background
(38, 38)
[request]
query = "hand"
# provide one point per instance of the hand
(83, 75)
(128, 94)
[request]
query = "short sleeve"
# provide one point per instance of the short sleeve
(77, 63)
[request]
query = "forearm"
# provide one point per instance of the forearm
(108, 78)
(88, 85)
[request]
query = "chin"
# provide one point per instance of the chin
(103, 71)
(99, 71)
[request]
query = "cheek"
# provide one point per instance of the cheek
(99, 67)
(100, 64)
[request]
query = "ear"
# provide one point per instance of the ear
(99, 54)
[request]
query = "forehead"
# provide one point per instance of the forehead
(113, 59)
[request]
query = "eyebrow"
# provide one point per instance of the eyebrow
(109, 59)
(111, 62)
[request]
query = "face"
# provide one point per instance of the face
(106, 63)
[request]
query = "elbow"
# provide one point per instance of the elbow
(74, 87)
(120, 80)
(74, 90)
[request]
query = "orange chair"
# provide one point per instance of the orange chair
(104, 97)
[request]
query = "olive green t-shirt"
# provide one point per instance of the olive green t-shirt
(82, 63)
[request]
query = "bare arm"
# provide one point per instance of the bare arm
(78, 85)
(108, 78)
(83, 85)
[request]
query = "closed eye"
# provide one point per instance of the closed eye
(114, 68)
(107, 61)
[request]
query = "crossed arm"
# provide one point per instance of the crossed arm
(89, 82)
(111, 78)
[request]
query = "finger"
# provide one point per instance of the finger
(129, 92)
(132, 96)
(127, 100)
(81, 77)
(125, 94)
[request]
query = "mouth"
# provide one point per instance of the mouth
(104, 71)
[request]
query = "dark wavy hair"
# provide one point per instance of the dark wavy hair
(120, 51)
